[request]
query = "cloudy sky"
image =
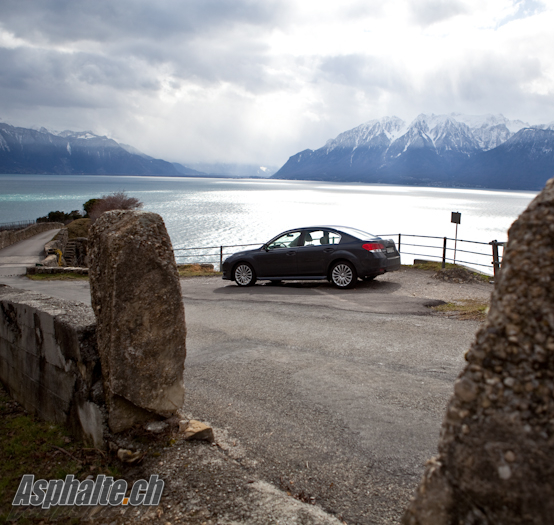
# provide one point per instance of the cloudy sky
(256, 81)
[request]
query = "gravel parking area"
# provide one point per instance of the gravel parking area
(325, 403)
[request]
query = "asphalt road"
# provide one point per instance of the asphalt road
(340, 392)
(15, 258)
(332, 394)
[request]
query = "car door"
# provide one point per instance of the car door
(278, 259)
(317, 252)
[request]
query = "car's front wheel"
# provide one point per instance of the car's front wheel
(343, 275)
(244, 275)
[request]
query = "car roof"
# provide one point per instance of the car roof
(348, 230)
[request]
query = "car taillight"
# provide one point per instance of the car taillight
(373, 246)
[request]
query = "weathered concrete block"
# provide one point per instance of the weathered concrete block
(49, 361)
(50, 260)
(11, 329)
(136, 297)
(91, 421)
(497, 440)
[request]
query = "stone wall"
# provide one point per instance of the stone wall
(49, 361)
(58, 242)
(8, 238)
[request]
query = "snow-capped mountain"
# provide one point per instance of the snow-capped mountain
(431, 150)
(38, 150)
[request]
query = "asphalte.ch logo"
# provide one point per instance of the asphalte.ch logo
(102, 491)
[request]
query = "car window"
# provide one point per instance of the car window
(288, 240)
(359, 234)
(320, 238)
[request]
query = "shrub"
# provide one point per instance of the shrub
(61, 216)
(116, 201)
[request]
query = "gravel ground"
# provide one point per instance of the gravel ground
(421, 283)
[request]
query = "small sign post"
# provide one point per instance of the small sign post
(457, 219)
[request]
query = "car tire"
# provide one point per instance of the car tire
(244, 275)
(369, 278)
(343, 275)
(276, 282)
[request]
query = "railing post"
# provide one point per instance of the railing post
(399, 238)
(495, 260)
(220, 257)
(444, 253)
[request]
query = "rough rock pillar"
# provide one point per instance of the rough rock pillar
(136, 297)
(496, 451)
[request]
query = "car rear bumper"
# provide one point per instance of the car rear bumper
(393, 263)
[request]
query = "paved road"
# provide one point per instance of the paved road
(341, 393)
(336, 394)
(15, 258)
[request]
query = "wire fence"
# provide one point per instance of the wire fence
(17, 225)
(443, 249)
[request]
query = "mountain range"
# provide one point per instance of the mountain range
(453, 150)
(24, 150)
(39, 150)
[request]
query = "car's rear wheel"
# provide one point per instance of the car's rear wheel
(244, 275)
(343, 275)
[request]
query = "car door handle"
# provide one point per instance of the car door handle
(291, 253)
(329, 250)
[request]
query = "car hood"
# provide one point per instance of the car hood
(242, 253)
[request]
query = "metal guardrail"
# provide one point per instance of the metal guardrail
(494, 253)
(445, 252)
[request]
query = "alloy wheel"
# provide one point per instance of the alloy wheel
(243, 275)
(342, 275)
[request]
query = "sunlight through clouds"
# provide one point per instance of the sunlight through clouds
(258, 81)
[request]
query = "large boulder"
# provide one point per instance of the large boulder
(497, 441)
(136, 297)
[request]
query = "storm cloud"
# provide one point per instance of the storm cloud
(257, 81)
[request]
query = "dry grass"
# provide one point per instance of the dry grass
(196, 270)
(465, 309)
(435, 266)
(65, 276)
(78, 228)
(185, 270)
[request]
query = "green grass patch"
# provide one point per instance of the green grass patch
(433, 266)
(78, 228)
(30, 446)
(185, 270)
(196, 270)
(436, 266)
(467, 309)
(65, 276)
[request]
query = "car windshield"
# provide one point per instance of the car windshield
(360, 234)
(288, 240)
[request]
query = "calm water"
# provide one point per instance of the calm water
(212, 212)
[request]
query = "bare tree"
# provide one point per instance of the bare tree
(118, 200)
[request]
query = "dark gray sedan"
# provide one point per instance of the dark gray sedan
(339, 254)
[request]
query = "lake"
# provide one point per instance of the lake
(214, 212)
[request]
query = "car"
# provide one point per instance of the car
(336, 253)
